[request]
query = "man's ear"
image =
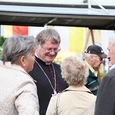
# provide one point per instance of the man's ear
(91, 57)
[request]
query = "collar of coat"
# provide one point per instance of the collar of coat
(81, 89)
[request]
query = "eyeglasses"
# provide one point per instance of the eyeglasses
(51, 49)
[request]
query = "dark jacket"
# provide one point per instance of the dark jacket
(105, 103)
(44, 88)
(92, 83)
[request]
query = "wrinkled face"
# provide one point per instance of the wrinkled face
(48, 51)
(111, 53)
(96, 62)
(29, 61)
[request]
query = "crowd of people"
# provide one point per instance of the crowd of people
(31, 83)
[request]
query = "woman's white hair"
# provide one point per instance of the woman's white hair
(74, 71)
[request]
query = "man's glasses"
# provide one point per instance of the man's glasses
(51, 49)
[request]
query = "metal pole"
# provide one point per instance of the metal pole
(100, 6)
(89, 5)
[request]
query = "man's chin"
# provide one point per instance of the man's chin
(96, 69)
(49, 61)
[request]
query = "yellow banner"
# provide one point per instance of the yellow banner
(7, 31)
(76, 39)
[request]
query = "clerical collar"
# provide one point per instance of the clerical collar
(41, 61)
(48, 63)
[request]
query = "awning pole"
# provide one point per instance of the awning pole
(89, 5)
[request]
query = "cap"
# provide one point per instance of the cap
(95, 49)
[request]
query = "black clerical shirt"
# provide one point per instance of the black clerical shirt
(44, 88)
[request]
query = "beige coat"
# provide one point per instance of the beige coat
(17, 91)
(73, 101)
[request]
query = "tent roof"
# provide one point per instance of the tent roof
(56, 15)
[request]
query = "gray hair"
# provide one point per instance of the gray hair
(86, 55)
(74, 71)
(112, 40)
(48, 34)
(16, 46)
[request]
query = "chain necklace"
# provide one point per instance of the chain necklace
(53, 88)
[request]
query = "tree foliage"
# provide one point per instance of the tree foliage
(2, 39)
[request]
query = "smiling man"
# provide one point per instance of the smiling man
(45, 72)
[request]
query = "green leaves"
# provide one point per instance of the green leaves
(2, 39)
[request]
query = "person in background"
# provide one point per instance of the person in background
(45, 71)
(18, 93)
(76, 99)
(94, 55)
(105, 103)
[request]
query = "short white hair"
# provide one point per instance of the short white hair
(74, 71)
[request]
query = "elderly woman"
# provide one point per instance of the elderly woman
(18, 93)
(76, 99)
